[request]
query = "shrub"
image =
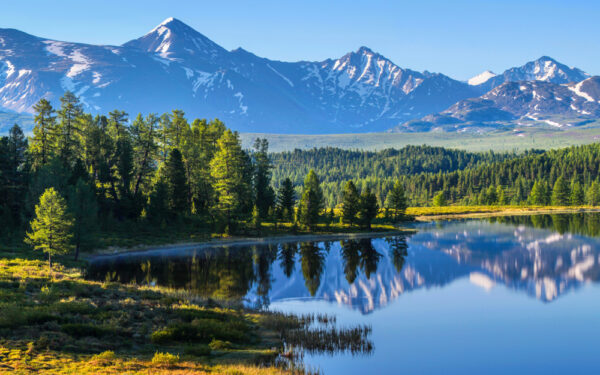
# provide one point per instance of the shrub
(107, 356)
(165, 359)
(219, 345)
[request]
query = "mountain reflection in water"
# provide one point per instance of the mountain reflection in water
(544, 256)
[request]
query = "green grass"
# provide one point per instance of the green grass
(528, 138)
(58, 322)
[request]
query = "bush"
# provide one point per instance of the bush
(165, 359)
(219, 345)
(107, 356)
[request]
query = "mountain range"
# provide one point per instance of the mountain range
(175, 67)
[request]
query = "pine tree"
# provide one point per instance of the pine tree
(368, 208)
(350, 203)
(42, 144)
(593, 194)
(577, 197)
(52, 227)
(286, 200)
(311, 202)
(228, 170)
(68, 128)
(560, 192)
(176, 181)
(539, 193)
(439, 199)
(396, 199)
(264, 195)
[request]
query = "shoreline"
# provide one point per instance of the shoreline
(525, 211)
(235, 241)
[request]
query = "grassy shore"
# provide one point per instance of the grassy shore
(451, 212)
(58, 322)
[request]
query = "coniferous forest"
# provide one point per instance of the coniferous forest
(109, 172)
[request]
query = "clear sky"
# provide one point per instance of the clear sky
(460, 38)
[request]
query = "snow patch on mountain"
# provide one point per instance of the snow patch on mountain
(481, 78)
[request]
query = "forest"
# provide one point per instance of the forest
(79, 175)
(437, 176)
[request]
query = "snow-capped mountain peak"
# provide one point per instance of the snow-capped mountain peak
(173, 40)
(481, 78)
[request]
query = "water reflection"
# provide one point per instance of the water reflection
(544, 256)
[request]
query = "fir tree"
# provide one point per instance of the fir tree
(68, 128)
(264, 195)
(560, 192)
(577, 197)
(350, 203)
(311, 203)
(42, 144)
(176, 181)
(368, 208)
(539, 193)
(439, 199)
(593, 194)
(286, 200)
(52, 227)
(396, 199)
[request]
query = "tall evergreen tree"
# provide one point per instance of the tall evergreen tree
(68, 128)
(439, 199)
(396, 199)
(560, 192)
(176, 181)
(593, 194)
(539, 193)
(264, 194)
(42, 144)
(350, 203)
(577, 197)
(312, 202)
(230, 183)
(286, 200)
(368, 207)
(51, 229)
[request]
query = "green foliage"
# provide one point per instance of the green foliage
(286, 200)
(311, 203)
(52, 228)
(165, 359)
(540, 194)
(560, 193)
(439, 199)
(350, 203)
(368, 208)
(593, 194)
(396, 199)
(176, 182)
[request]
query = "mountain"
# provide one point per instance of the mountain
(174, 66)
(481, 78)
(519, 103)
(544, 69)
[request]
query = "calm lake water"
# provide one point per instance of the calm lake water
(502, 296)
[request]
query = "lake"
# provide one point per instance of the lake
(494, 296)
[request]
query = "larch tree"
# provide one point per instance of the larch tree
(42, 143)
(286, 200)
(350, 203)
(560, 192)
(52, 227)
(396, 199)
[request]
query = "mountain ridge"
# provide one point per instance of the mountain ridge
(174, 66)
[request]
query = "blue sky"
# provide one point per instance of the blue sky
(457, 37)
